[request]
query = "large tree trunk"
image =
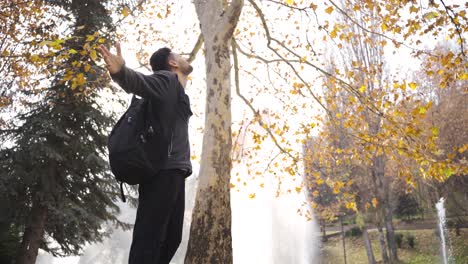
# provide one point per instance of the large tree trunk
(368, 245)
(210, 231)
(33, 235)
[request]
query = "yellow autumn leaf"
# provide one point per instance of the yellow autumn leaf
(232, 185)
(413, 85)
(298, 189)
(464, 76)
(384, 27)
(72, 51)
(252, 195)
(362, 88)
(289, 2)
(93, 55)
(351, 205)
(80, 79)
(375, 202)
(329, 10)
(463, 148)
(125, 11)
(87, 67)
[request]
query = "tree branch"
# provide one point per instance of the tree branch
(257, 116)
(457, 26)
(376, 33)
(193, 54)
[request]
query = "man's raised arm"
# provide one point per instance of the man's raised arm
(154, 86)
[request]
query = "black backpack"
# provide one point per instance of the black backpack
(135, 145)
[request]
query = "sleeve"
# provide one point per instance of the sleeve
(155, 86)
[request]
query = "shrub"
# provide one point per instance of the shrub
(354, 232)
(399, 240)
(411, 240)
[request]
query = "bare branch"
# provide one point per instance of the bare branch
(193, 54)
(256, 113)
(376, 33)
(457, 26)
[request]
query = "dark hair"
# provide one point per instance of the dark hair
(160, 59)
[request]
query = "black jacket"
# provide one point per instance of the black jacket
(164, 91)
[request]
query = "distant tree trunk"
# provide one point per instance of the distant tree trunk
(210, 232)
(383, 245)
(343, 238)
(383, 194)
(368, 245)
(323, 229)
(33, 234)
(390, 233)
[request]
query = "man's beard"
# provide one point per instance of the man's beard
(187, 70)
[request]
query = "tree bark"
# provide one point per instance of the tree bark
(343, 239)
(383, 245)
(383, 194)
(323, 229)
(33, 235)
(390, 233)
(210, 232)
(368, 245)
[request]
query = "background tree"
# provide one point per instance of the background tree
(55, 180)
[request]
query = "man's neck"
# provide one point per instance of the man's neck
(182, 79)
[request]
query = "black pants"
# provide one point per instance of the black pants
(160, 216)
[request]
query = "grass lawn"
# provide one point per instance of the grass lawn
(426, 250)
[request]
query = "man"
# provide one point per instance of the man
(158, 226)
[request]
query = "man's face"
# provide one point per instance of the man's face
(180, 63)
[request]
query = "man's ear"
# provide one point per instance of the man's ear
(173, 63)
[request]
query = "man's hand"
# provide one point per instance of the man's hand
(114, 63)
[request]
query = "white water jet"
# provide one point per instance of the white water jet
(269, 230)
(442, 230)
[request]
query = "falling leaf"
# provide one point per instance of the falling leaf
(125, 11)
(375, 202)
(298, 189)
(329, 10)
(252, 195)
